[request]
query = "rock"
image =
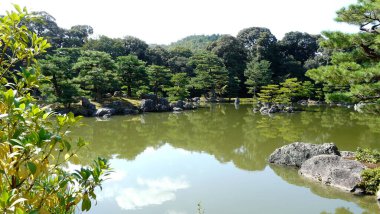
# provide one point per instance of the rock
(347, 154)
(87, 104)
(104, 111)
(256, 110)
(378, 195)
(118, 94)
(289, 109)
(130, 111)
(333, 170)
(296, 153)
(264, 110)
(196, 99)
(150, 97)
(179, 104)
(163, 105)
(188, 106)
(147, 105)
(273, 109)
(177, 109)
(108, 95)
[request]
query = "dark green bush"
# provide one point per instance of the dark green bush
(370, 180)
(367, 155)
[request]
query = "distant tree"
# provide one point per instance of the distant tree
(302, 46)
(114, 47)
(97, 73)
(234, 57)
(178, 61)
(157, 55)
(259, 42)
(211, 74)
(159, 78)
(258, 73)
(179, 90)
(195, 42)
(132, 72)
(77, 36)
(135, 46)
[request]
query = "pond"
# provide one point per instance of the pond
(215, 158)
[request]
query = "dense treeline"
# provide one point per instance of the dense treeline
(217, 66)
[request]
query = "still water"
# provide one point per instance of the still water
(216, 156)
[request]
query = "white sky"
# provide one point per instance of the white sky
(166, 21)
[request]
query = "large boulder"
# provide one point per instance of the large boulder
(296, 153)
(334, 171)
(104, 111)
(87, 104)
(148, 105)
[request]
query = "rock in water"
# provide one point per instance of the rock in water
(296, 153)
(334, 171)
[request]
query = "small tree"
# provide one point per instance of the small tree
(258, 73)
(159, 78)
(33, 143)
(132, 72)
(179, 90)
(97, 73)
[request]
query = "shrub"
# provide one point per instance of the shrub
(370, 180)
(34, 148)
(367, 155)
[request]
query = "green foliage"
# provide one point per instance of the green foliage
(338, 97)
(367, 155)
(370, 180)
(259, 42)
(34, 146)
(97, 73)
(195, 43)
(355, 57)
(269, 94)
(159, 78)
(211, 74)
(258, 73)
(132, 72)
(114, 47)
(179, 91)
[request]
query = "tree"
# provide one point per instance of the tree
(33, 142)
(211, 74)
(159, 78)
(58, 68)
(132, 72)
(135, 46)
(355, 57)
(179, 91)
(259, 42)
(195, 43)
(302, 46)
(97, 73)
(77, 36)
(258, 73)
(157, 55)
(178, 61)
(114, 47)
(234, 57)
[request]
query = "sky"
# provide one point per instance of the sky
(166, 21)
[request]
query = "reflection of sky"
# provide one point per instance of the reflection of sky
(173, 181)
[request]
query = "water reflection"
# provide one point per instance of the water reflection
(227, 134)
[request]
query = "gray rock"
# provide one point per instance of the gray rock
(150, 97)
(296, 153)
(273, 109)
(264, 110)
(147, 105)
(177, 109)
(378, 195)
(289, 109)
(188, 106)
(118, 94)
(347, 154)
(130, 111)
(87, 104)
(196, 99)
(104, 111)
(334, 171)
(108, 95)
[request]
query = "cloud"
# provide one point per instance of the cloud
(148, 192)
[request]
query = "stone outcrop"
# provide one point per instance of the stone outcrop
(333, 170)
(296, 153)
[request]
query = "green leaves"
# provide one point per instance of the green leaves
(32, 167)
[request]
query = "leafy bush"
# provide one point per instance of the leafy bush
(339, 97)
(367, 155)
(34, 148)
(370, 180)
